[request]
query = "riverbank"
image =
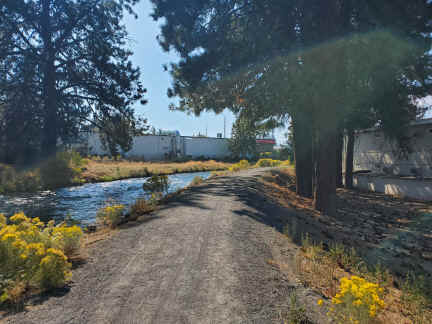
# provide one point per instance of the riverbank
(201, 257)
(247, 239)
(383, 239)
(69, 169)
(110, 170)
(82, 202)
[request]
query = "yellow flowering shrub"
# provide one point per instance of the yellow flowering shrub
(358, 301)
(268, 163)
(67, 238)
(33, 253)
(243, 164)
(286, 163)
(54, 270)
(110, 215)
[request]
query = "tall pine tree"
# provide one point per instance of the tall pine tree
(316, 60)
(64, 64)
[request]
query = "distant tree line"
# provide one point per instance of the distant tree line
(64, 68)
(329, 67)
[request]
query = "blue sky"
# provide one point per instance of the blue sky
(150, 57)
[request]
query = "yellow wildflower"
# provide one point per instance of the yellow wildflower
(356, 299)
(19, 218)
(9, 237)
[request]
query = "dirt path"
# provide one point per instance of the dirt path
(203, 258)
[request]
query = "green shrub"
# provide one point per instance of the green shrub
(13, 181)
(157, 184)
(62, 170)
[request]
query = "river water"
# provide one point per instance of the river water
(83, 202)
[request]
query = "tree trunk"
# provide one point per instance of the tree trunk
(339, 151)
(349, 160)
(50, 131)
(303, 156)
(325, 186)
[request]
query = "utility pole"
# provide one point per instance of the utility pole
(224, 127)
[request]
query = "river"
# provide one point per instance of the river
(83, 202)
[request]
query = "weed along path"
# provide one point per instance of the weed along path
(204, 257)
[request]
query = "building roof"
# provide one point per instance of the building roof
(419, 122)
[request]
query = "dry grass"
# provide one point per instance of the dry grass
(101, 234)
(141, 207)
(321, 271)
(366, 221)
(114, 170)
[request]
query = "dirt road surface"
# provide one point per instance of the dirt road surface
(202, 258)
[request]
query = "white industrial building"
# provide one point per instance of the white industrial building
(379, 165)
(162, 147)
(374, 152)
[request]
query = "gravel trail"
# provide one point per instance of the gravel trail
(202, 258)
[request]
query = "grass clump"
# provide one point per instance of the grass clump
(242, 165)
(296, 313)
(34, 255)
(141, 207)
(416, 297)
(110, 215)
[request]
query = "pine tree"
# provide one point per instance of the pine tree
(315, 61)
(243, 139)
(64, 65)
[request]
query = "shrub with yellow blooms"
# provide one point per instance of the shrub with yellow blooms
(67, 238)
(34, 254)
(262, 163)
(286, 163)
(110, 215)
(243, 164)
(358, 301)
(54, 269)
